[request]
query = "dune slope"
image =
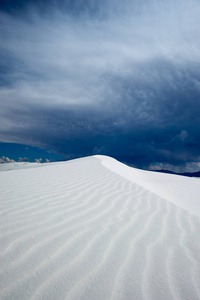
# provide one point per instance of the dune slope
(82, 230)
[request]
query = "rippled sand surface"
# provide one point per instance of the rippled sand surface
(78, 230)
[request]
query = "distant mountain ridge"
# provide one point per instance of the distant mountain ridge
(188, 174)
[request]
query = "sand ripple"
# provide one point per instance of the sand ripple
(76, 230)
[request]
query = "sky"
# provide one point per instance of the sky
(117, 78)
(10, 152)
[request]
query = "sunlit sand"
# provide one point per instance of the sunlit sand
(93, 228)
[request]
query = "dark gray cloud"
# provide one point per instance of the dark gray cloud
(87, 78)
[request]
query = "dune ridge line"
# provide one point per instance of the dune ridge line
(182, 191)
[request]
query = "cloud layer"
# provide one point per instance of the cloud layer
(116, 79)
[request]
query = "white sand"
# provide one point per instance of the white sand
(19, 166)
(94, 228)
(182, 191)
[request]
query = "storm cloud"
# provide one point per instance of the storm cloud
(121, 79)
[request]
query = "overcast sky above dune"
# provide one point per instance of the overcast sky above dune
(120, 78)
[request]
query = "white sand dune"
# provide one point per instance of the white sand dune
(19, 166)
(94, 229)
